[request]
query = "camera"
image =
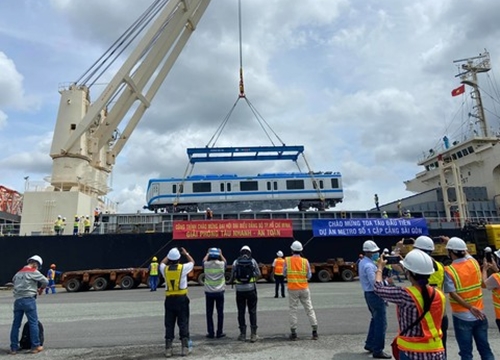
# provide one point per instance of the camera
(392, 259)
(488, 257)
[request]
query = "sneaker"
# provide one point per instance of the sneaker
(368, 349)
(37, 350)
(169, 352)
(12, 352)
(275, 296)
(382, 355)
(315, 335)
(220, 335)
(254, 338)
(293, 336)
(210, 336)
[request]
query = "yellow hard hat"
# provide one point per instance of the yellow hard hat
(154, 258)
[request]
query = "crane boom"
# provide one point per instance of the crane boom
(91, 146)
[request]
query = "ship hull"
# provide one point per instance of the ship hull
(110, 251)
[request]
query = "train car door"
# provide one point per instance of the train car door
(225, 190)
(271, 188)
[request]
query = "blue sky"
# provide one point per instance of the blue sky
(363, 85)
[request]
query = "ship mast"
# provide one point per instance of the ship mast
(468, 70)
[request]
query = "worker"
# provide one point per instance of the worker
(375, 340)
(407, 214)
(57, 225)
(244, 274)
(420, 309)
(97, 214)
(492, 282)
(76, 225)
(384, 214)
(436, 280)
(375, 199)
(279, 279)
(214, 268)
(209, 214)
(399, 208)
(298, 271)
(387, 274)
(462, 282)
(176, 298)
(86, 225)
(153, 274)
(26, 287)
(63, 225)
(51, 277)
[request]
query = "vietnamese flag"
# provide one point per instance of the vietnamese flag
(458, 91)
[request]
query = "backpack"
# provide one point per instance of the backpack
(25, 342)
(244, 270)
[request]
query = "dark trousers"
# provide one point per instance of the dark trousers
(246, 299)
(498, 323)
(216, 299)
(444, 329)
(279, 280)
(176, 311)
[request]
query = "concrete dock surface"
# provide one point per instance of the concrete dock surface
(128, 324)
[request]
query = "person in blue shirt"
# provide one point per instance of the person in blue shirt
(375, 340)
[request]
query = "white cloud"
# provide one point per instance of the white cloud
(11, 84)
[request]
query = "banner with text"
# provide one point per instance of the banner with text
(219, 229)
(369, 227)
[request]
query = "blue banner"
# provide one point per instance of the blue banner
(369, 227)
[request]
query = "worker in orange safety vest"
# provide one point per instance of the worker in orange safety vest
(297, 272)
(492, 283)
(279, 279)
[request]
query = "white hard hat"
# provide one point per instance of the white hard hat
(487, 249)
(418, 262)
(497, 253)
(393, 253)
(245, 248)
(64, 218)
(279, 253)
(424, 243)
(174, 254)
(58, 216)
(456, 244)
(36, 258)
(296, 246)
(370, 246)
(386, 250)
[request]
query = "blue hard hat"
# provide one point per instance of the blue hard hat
(213, 252)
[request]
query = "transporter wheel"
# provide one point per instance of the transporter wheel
(201, 279)
(73, 285)
(127, 283)
(270, 278)
(227, 276)
(347, 275)
(100, 284)
(324, 276)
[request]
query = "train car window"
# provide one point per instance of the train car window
(181, 188)
(294, 184)
(221, 187)
(335, 183)
(249, 185)
(321, 185)
(174, 189)
(228, 186)
(268, 185)
(275, 185)
(202, 187)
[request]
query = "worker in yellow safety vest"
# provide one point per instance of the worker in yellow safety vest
(153, 274)
(58, 225)
(86, 225)
(436, 280)
(279, 279)
(297, 272)
(176, 299)
(492, 283)
(419, 331)
(463, 282)
(76, 225)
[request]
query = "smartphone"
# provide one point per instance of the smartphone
(392, 259)
(408, 241)
(488, 257)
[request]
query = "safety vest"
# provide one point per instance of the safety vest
(86, 223)
(214, 276)
(431, 322)
(296, 273)
(76, 224)
(57, 224)
(173, 275)
(495, 293)
(279, 264)
(51, 274)
(466, 276)
(153, 270)
(437, 277)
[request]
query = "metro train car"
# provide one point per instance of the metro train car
(320, 190)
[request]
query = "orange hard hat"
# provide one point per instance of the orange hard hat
(53, 266)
